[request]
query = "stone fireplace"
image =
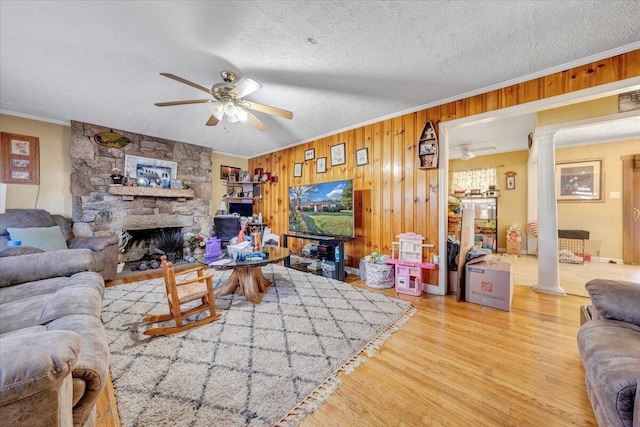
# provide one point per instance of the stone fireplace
(100, 208)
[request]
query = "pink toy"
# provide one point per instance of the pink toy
(408, 265)
(241, 234)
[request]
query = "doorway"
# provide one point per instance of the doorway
(631, 209)
(445, 131)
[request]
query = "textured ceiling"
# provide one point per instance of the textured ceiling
(99, 62)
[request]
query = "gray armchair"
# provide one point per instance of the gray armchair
(104, 248)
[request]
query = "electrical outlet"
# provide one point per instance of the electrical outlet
(614, 195)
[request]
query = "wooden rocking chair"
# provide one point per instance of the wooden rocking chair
(179, 293)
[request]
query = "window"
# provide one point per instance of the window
(475, 178)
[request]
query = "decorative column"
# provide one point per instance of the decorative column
(548, 269)
(532, 198)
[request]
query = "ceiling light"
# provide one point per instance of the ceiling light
(242, 114)
(216, 109)
(230, 109)
(232, 119)
(466, 156)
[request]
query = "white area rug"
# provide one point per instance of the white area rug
(259, 365)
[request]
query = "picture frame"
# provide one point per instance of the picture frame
(629, 101)
(362, 157)
(511, 182)
(310, 154)
(21, 158)
(226, 170)
(321, 165)
(580, 180)
(297, 170)
(338, 154)
(245, 176)
(150, 172)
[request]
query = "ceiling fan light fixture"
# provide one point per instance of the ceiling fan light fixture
(466, 156)
(230, 109)
(242, 114)
(216, 109)
(232, 119)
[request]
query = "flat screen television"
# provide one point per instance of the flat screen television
(322, 209)
(242, 209)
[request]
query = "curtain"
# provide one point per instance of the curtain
(475, 178)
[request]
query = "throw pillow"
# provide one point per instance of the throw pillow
(45, 238)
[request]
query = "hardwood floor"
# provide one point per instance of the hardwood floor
(458, 364)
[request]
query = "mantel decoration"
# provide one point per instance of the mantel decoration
(580, 181)
(150, 172)
(110, 139)
(21, 158)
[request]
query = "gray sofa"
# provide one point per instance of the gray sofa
(54, 357)
(609, 345)
(104, 248)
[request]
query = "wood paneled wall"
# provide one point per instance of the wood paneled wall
(391, 194)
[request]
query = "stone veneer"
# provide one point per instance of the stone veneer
(103, 212)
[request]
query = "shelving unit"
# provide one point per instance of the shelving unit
(242, 192)
(428, 147)
(485, 220)
(320, 262)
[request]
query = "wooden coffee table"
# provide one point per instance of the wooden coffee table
(247, 275)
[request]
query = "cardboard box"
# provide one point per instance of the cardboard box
(513, 248)
(490, 284)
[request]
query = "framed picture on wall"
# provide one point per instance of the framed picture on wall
(338, 155)
(150, 172)
(321, 165)
(580, 181)
(20, 158)
(225, 171)
(310, 154)
(362, 156)
(511, 182)
(297, 170)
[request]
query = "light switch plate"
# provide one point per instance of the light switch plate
(614, 195)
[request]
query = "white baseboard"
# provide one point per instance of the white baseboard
(607, 260)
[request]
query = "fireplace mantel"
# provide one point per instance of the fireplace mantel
(126, 191)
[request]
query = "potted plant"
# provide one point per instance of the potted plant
(170, 242)
(124, 237)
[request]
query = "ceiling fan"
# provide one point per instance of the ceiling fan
(228, 99)
(466, 152)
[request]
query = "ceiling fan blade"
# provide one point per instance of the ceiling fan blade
(267, 109)
(187, 82)
(483, 148)
(245, 87)
(190, 101)
(256, 122)
(212, 121)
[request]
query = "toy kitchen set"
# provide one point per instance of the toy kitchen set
(409, 267)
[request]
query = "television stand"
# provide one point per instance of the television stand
(321, 262)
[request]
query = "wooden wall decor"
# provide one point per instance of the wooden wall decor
(21, 158)
(393, 194)
(428, 147)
